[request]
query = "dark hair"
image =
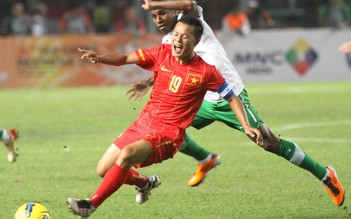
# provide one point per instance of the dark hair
(192, 20)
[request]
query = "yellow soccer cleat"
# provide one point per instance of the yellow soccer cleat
(203, 169)
(334, 187)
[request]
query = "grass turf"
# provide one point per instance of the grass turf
(64, 132)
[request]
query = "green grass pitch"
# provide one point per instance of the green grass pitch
(64, 132)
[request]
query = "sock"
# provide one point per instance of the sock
(5, 136)
(326, 176)
(293, 153)
(208, 158)
(137, 179)
(191, 148)
(112, 181)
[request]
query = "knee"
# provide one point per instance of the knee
(271, 146)
(268, 147)
(271, 143)
(126, 159)
(101, 169)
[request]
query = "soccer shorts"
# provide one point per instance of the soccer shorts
(221, 112)
(164, 147)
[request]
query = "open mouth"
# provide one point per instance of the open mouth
(177, 48)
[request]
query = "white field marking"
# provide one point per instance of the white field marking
(321, 140)
(312, 125)
(313, 140)
(316, 125)
(294, 89)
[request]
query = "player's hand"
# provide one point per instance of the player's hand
(146, 5)
(89, 54)
(345, 47)
(254, 134)
(138, 90)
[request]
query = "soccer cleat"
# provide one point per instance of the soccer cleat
(203, 169)
(143, 194)
(83, 207)
(10, 145)
(334, 187)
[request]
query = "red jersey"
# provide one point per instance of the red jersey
(178, 90)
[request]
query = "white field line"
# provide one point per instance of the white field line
(312, 125)
(321, 140)
(294, 89)
(316, 125)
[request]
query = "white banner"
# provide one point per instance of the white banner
(282, 55)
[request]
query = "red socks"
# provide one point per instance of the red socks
(137, 179)
(114, 178)
(112, 181)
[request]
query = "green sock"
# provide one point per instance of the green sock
(293, 153)
(191, 148)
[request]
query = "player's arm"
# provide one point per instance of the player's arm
(237, 107)
(116, 59)
(185, 5)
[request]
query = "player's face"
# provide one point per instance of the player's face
(164, 19)
(183, 42)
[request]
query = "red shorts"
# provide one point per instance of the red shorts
(164, 147)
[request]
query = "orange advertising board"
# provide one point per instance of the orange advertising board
(54, 61)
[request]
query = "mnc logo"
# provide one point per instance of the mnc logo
(301, 56)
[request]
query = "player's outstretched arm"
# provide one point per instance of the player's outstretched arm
(186, 5)
(116, 59)
(238, 109)
(345, 47)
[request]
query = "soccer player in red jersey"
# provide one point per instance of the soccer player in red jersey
(9, 136)
(164, 13)
(181, 81)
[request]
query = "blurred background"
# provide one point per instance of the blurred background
(267, 40)
(285, 13)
